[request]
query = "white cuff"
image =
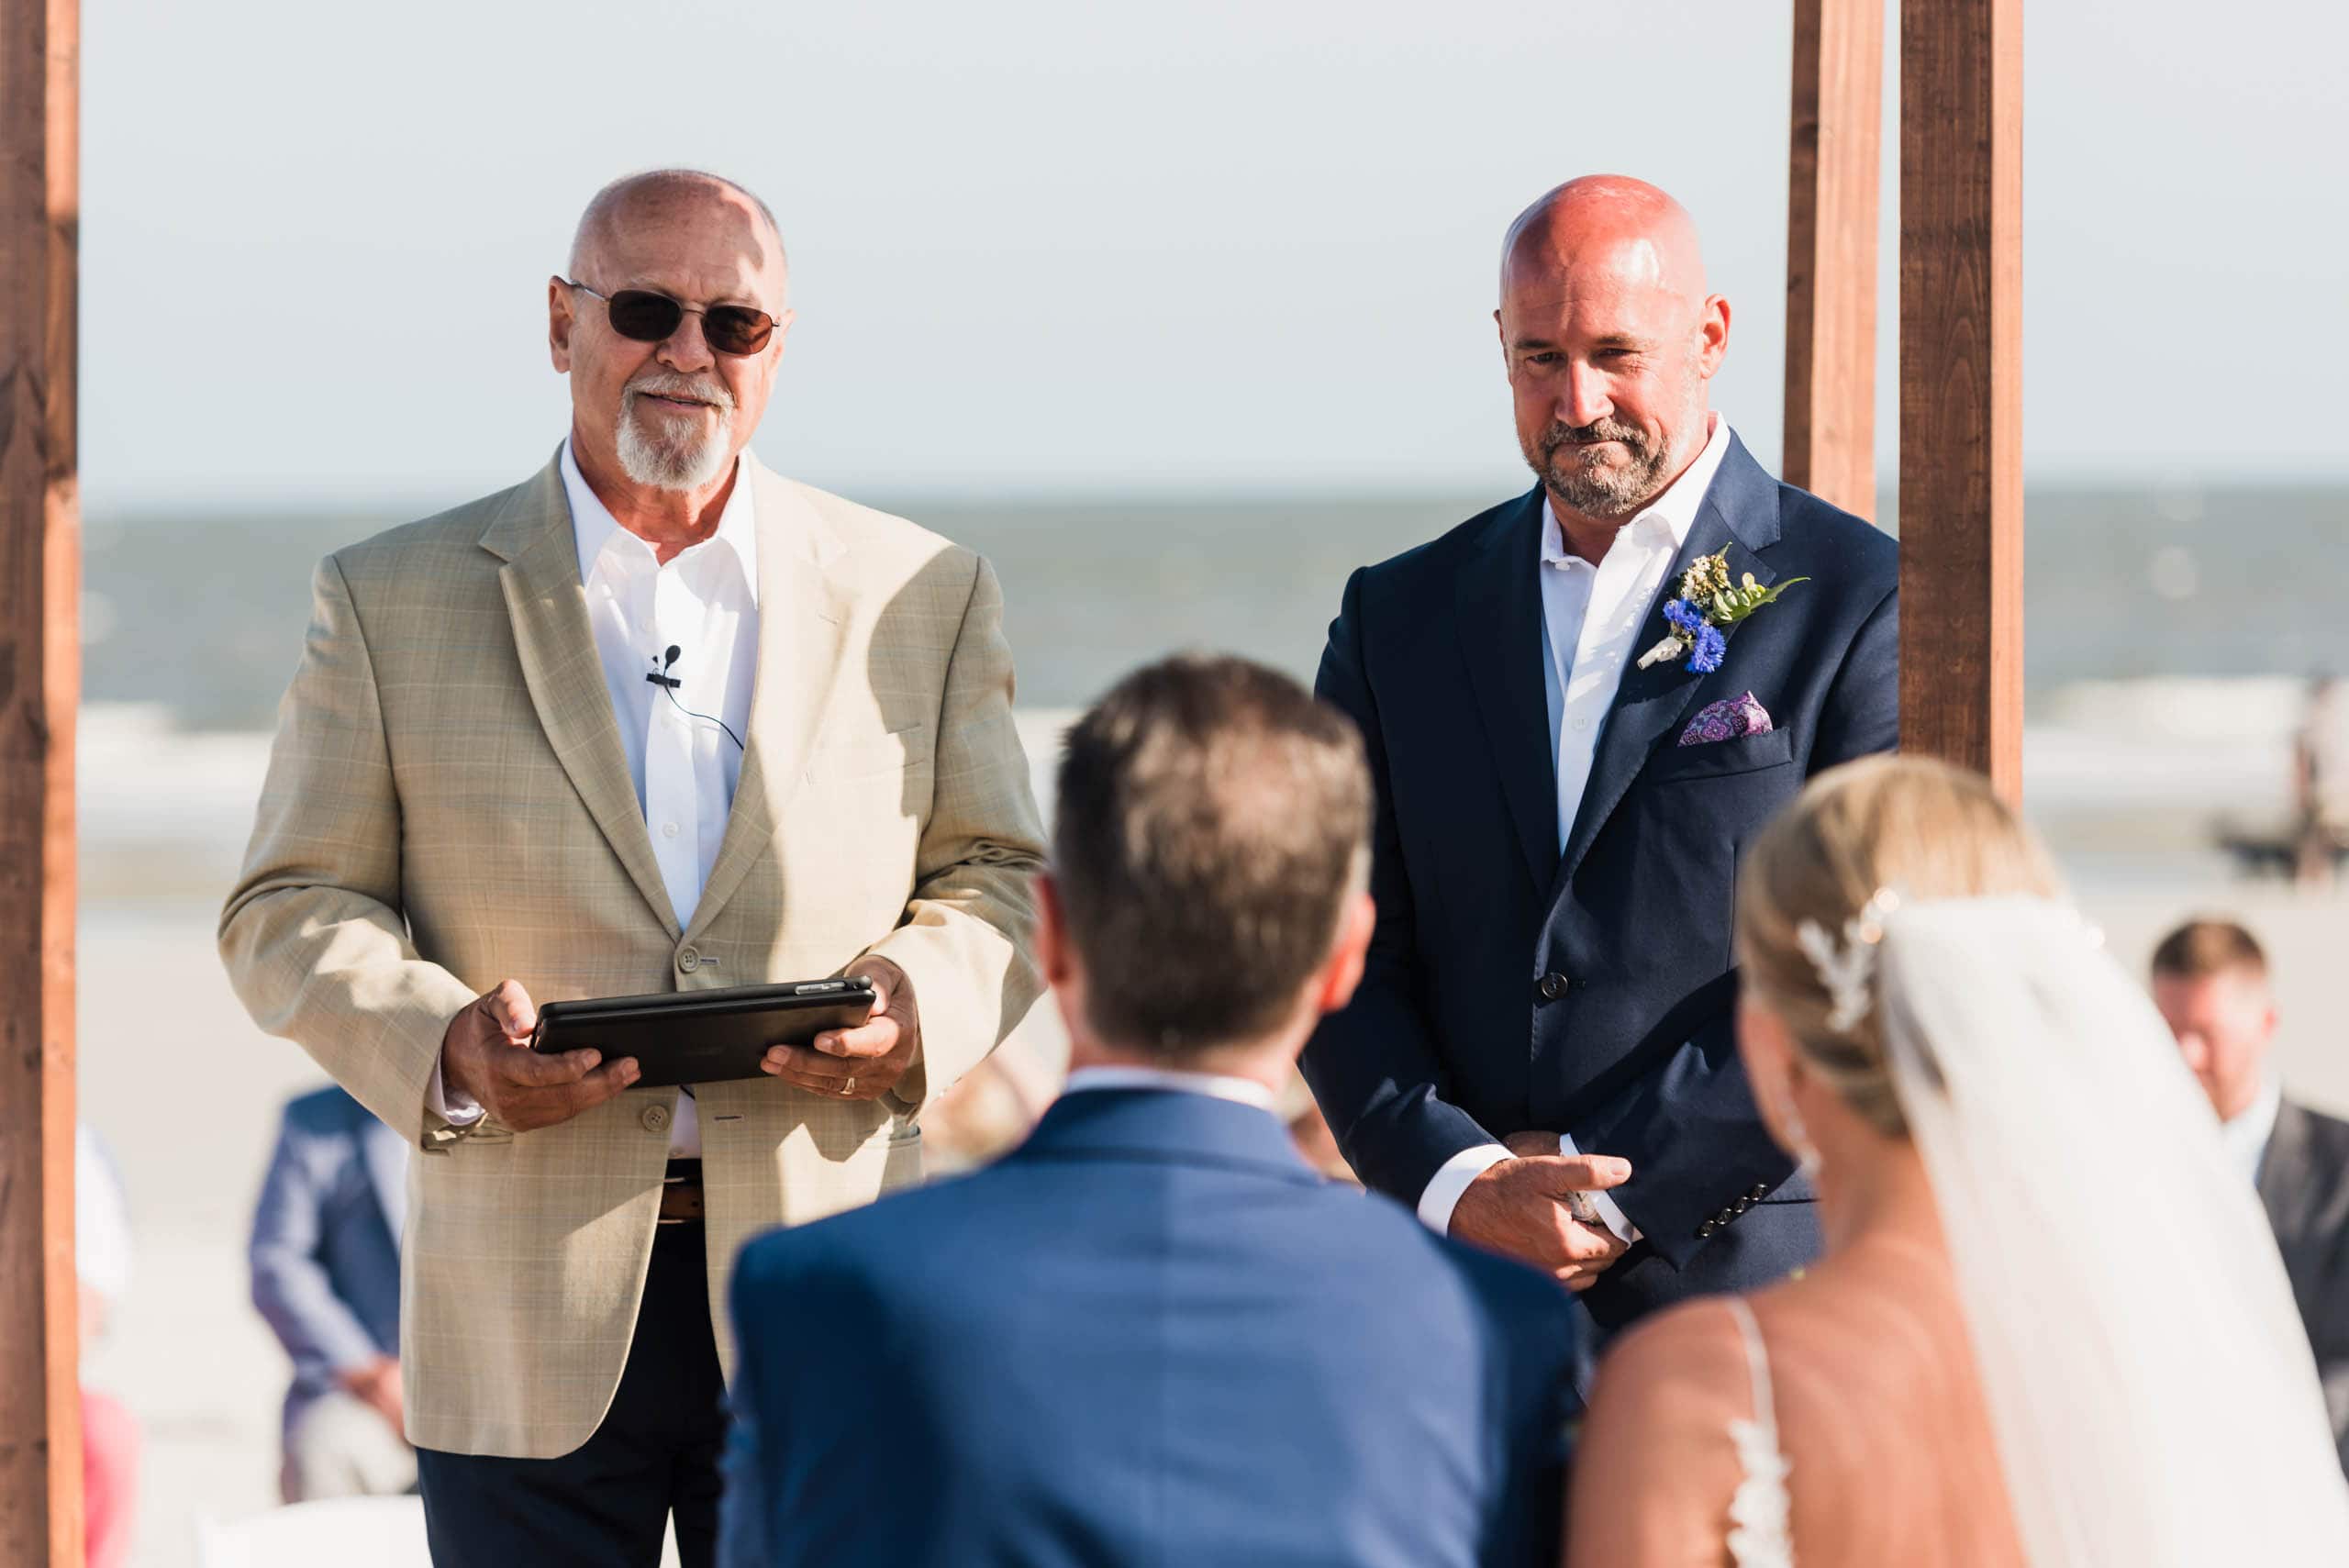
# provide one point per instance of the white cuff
(1617, 1221)
(457, 1110)
(1450, 1179)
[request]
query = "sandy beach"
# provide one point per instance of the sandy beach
(186, 1094)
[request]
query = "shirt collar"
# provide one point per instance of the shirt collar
(1668, 517)
(595, 530)
(1217, 1086)
(2246, 1132)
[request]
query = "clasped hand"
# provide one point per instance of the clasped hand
(1520, 1207)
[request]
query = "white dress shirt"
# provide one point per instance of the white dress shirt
(1591, 617)
(2247, 1132)
(1216, 1085)
(704, 602)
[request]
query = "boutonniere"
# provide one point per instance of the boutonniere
(1708, 601)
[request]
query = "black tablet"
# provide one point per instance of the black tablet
(703, 1036)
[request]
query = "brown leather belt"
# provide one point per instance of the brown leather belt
(681, 1194)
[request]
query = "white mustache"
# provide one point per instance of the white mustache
(670, 384)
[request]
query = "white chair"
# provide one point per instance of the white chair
(344, 1532)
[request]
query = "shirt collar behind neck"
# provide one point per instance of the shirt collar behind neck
(1671, 515)
(2247, 1133)
(1217, 1085)
(595, 529)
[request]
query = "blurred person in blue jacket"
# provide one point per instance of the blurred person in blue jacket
(325, 1273)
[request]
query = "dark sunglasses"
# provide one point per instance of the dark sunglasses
(644, 317)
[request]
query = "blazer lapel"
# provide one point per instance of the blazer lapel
(803, 627)
(1498, 605)
(1740, 515)
(565, 675)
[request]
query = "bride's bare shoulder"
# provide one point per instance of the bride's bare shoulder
(1654, 1464)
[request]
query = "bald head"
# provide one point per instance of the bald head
(1610, 337)
(663, 198)
(1608, 218)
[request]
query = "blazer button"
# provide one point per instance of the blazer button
(688, 959)
(1554, 985)
(655, 1118)
(1706, 1230)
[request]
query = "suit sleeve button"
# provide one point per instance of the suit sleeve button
(1741, 1205)
(1760, 1190)
(1705, 1231)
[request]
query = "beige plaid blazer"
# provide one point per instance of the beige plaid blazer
(448, 806)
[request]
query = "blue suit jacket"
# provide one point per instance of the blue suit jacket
(1150, 1335)
(1512, 987)
(325, 1252)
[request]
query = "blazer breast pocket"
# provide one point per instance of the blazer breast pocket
(1746, 754)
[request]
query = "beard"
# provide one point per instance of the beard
(1585, 480)
(666, 451)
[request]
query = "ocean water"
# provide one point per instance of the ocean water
(203, 613)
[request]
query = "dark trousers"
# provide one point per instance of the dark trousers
(604, 1504)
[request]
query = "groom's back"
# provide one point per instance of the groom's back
(1150, 1336)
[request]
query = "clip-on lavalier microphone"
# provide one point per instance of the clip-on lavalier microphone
(669, 685)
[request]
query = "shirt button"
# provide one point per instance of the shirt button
(668, 829)
(1552, 986)
(1582, 724)
(655, 1118)
(688, 959)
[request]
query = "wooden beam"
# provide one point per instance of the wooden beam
(1961, 384)
(1835, 157)
(41, 1419)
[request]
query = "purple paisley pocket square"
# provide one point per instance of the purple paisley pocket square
(1729, 720)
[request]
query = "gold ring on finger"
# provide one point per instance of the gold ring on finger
(849, 1087)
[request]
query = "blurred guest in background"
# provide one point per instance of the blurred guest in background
(325, 1273)
(2321, 784)
(110, 1441)
(1152, 1335)
(2209, 981)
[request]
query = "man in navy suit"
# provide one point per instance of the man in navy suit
(325, 1273)
(1569, 755)
(1151, 1335)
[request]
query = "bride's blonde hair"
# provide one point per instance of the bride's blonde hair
(1922, 828)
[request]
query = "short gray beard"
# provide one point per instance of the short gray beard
(685, 461)
(1597, 492)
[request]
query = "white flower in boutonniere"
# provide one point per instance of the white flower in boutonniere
(1708, 602)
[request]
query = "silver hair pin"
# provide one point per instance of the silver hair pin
(1847, 969)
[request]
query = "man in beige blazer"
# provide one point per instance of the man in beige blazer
(655, 719)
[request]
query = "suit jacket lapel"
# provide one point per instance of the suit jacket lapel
(2283, 1168)
(533, 535)
(803, 626)
(1498, 605)
(1740, 515)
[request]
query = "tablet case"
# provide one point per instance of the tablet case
(703, 1037)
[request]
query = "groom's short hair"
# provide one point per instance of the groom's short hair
(1213, 821)
(2200, 950)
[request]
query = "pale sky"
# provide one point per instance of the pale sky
(1045, 245)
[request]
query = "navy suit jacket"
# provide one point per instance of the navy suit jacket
(325, 1252)
(1150, 1335)
(1514, 988)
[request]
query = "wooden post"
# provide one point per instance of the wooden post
(1835, 161)
(1961, 384)
(41, 1419)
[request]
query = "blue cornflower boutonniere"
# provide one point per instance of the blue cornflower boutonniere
(1708, 602)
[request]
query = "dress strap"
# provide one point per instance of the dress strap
(1757, 1366)
(1760, 1514)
